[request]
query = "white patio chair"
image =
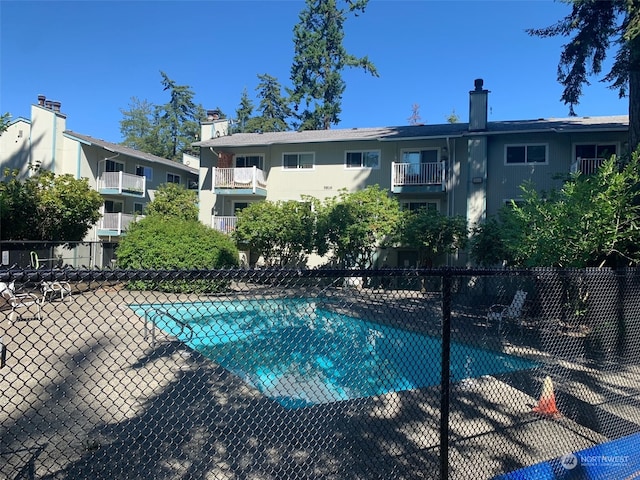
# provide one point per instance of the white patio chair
(499, 313)
(24, 301)
(52, 289)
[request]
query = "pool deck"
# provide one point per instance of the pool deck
(85, 395)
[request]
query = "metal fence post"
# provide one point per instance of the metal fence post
(445, 374)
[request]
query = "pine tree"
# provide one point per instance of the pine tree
(179, 119)
(273, 107)
(244, 111)
(319, 59)
(595, 25)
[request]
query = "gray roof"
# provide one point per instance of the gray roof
(415, 132)
(130, 152)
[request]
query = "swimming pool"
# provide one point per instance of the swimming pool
(299, 353)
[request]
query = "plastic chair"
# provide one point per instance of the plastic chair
(20, 300)
(55, 288)
(500, 313)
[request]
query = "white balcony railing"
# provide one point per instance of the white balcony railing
(586, 166)
(408, 174)
(117, 222)
(249, 177)
(121, 182)
(224, 224)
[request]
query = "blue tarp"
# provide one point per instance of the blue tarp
(618, 459)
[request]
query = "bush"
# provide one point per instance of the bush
(170, 243)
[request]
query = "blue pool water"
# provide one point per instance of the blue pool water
(300, 354)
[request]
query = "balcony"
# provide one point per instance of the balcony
(224, 224)
(120, 183)
(418, 178)
(239, 181)
(115, 224)
(586, 166)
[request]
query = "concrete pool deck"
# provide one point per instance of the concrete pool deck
(85, 395)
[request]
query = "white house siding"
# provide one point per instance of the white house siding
(14, 147)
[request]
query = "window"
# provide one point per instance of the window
(239, 206)
(111, 166)
(522, 154)
(366, 159)
(603, 151)
(297, 160)
(138, 208)
(173, 178)
(243, 161)
(417, 157)
(143, 171)
(415, 206)
(113, 207)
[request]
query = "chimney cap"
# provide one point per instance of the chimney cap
(213, 115)
(478, 83)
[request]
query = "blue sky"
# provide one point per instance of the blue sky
(93, 56)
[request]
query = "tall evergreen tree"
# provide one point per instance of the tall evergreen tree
(595, 25)
(319, 59)
(273, 107)
(164, 130)
(244, 111)
(179, 119)
(137, 125)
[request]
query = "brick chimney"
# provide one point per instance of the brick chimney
(478, 103)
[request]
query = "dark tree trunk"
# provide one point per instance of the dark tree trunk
(634, 109)
(634, 94)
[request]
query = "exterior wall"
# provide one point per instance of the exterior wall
(206, 197)
(14, 147)
(329, 174)
(46, 138)
(504, 181)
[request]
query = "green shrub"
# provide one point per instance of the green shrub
(171, 243)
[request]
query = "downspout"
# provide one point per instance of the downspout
(78, 161)
(53, 144)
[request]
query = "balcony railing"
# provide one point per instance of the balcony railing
(423, 174)
(239, 178)
(586, 166)
(224, 224)
(116, 223)
(120, 182)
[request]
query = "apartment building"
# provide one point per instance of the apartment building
(126, 178)
(469, 169)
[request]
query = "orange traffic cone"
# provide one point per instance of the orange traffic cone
(547, 403)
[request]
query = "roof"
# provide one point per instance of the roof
(416, 132)
(130, 152)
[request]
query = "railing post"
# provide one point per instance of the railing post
(393, 174)
(254, 174)
(445, 374)
(443, 175)
(120, 180)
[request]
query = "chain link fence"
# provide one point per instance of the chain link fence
(319, 374)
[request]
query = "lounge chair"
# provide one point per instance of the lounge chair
(52, 289)
(25, 301)
(499, 313)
